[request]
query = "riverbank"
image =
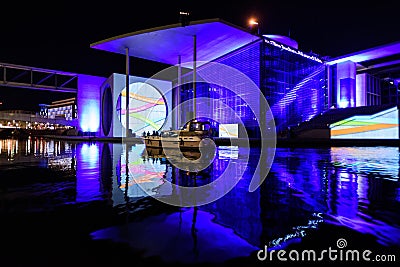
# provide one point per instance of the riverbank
(280, 142)
(73, 207)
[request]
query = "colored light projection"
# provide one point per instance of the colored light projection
(147, 108)
(145, 175)
(228, 130)
(382, 125)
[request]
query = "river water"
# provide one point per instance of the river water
(99, 203)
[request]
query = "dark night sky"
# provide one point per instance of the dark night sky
(58, 35)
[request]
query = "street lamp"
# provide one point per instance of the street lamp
(184, 18)
(254, 26)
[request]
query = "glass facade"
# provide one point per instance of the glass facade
(247, 61)
(390, 92)
(373, 90)
(293, 83)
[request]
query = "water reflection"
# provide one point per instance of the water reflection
(353, 188)
(379, 161)
(33, 150)
(187, 236)
(364, 199)
(145, 175)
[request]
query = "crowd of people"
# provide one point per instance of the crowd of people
(155, 133)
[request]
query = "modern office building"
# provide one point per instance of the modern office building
(365, 78)
(293, 82)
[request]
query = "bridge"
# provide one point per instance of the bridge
(17, 76)
(36, 78)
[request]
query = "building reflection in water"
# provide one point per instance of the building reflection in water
(354, 187)
(145, 174)
(88, 172)
(33, 150)
(366, 186)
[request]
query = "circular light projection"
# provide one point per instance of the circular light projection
(147, 108)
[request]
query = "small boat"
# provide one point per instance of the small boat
(159, 153)
(189, 136)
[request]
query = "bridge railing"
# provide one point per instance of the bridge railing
(12, 75)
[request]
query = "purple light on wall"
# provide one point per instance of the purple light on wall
(88, 100)
(368, 54)
(361, 85)
(163, 44)
(346, 81)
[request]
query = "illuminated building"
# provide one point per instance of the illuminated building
(65, 108)
(298, 86)
(148, 110)
(293, 82)
(365, 78)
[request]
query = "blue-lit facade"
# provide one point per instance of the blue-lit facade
(294, 84)
(297, 85)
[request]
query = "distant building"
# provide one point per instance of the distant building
(66, 108)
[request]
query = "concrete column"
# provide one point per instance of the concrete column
(361, 94)
(127, 91)
(194, 74)
(346, 84)
(178, 93)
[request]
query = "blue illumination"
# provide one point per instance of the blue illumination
(89, 103)
(181, 237)
(368, 54)
(346, 84)
(87, 172)
(292, 50)
(161, 44)
(90, 117)
(316, 193)
(247, 61)
(295, 92)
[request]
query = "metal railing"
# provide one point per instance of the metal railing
(36, 78)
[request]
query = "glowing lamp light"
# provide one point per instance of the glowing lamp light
(253, 25)
(90, 118)
(253, 22)
(344, 103)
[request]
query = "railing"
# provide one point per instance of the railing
(36, 78)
